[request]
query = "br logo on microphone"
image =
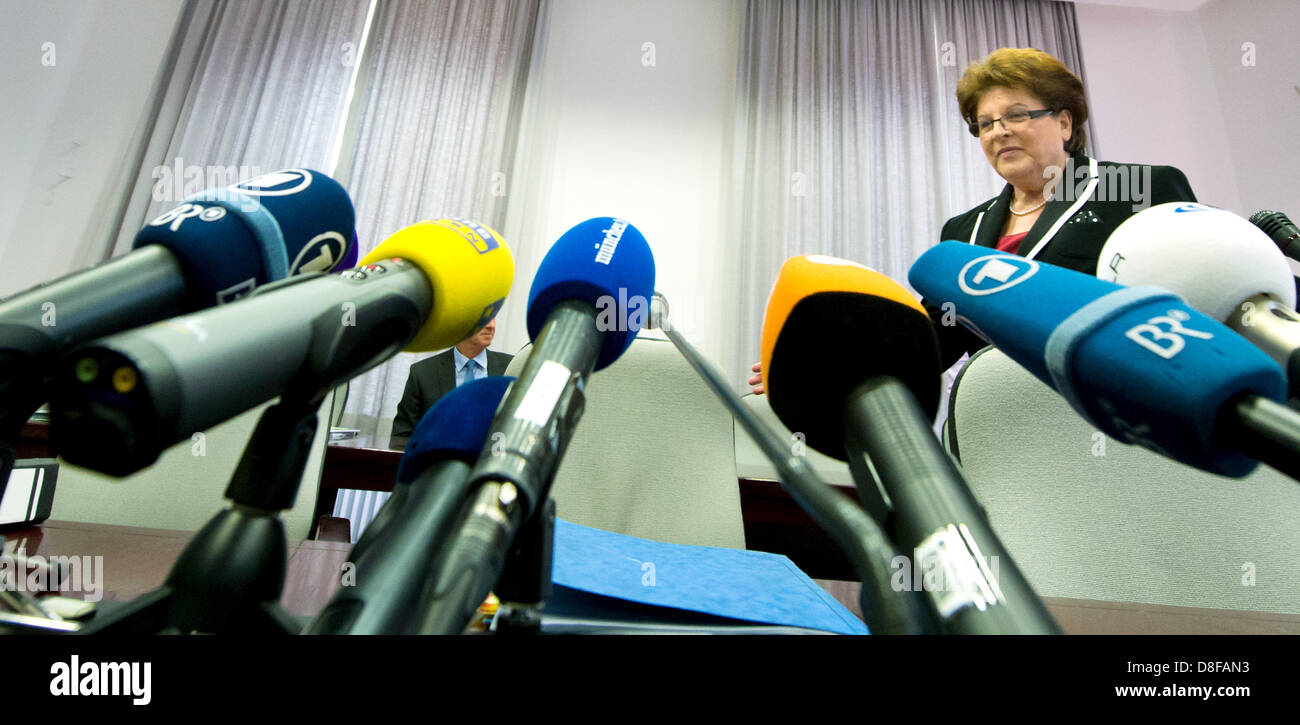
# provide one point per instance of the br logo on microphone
(276, 183)
(994, 273)
(177, 216)
(1191, 207)
(1165, 343)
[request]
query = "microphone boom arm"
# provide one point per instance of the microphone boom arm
(1267, 431)
(858, 535)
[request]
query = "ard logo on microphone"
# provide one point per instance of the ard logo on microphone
(321, 254)
(276, 183)
(994, 273)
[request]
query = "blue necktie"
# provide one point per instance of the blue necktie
(470, 370)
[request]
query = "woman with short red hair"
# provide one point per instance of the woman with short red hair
(1059, 206)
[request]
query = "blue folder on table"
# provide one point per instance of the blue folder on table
(694, 584)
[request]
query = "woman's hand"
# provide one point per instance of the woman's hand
(757, 380)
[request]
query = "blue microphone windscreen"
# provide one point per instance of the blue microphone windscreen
(604, 261)
(314, 212)
(231, 240)
(1137, 362)
(456, 427)
(973, 284)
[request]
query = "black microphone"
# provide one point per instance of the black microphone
(589, 298)
(399, 546)
(874, 410)
(1284, 233)
(121, 401)
(859, 536)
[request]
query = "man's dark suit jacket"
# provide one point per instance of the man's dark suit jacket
(430, 379)
(1077, 242)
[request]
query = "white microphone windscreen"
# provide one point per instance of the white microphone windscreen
(1210, 257)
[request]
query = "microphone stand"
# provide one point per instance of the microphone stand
(858, 535)
(887, 430)
(525, 582)
(230, 576)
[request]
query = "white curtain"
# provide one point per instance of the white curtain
(441, 99)
(848, 137)
(249, 87)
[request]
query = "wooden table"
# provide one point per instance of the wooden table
(137, 560)
(1085, 616)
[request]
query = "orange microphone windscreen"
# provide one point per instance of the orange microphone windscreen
(830, 325)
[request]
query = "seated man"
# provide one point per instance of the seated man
(434, 377)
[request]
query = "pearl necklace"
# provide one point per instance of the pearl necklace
(1027, 211)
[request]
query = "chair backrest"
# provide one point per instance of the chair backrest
(1089, 517)
(653, 455)
(185, 487)
(751, 463)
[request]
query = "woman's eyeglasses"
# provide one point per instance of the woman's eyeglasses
(981, 126)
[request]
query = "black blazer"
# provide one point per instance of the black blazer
(1077, 241)
(429, 380)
